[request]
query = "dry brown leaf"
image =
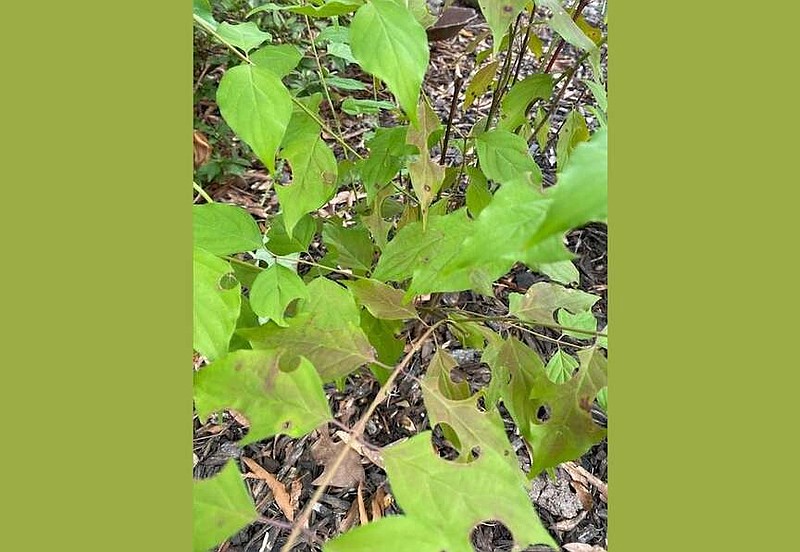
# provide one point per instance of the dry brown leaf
(202, 149)
(569, 524)
(278, 489)
(240, 418)
(379, 503)
(371, 455)
(349, 519)
(349, 473)
(583, 495)
(582, 547)
(362, 510)
(294, 493)
(579, 472)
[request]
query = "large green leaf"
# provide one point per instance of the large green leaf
(224, 229)
(325, 330)
(515, 104)
(443, 501)
(279, 59)
(382, 300)
(273, 290)
(243, 35)
(273, 400)
(388, 42)
(351, 246)
(215, 305)
(221, 507)
(202, 9)
(562, 23)
(314, 168)
(386, 152)
(504, 156)
(281, 243)
(581, 191)
(499, 15)
(257, 106)
(542, 299)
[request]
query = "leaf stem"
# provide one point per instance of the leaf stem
(202, 192)
(451, 115)
(513, 319)
(503, 77)
(357, 432)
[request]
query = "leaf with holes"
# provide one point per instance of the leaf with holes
(273, 400)
(381, 300)
(515, 104)
(504, 156)
(273, 290)
(224, 229)
(256, 105)
(215, 304)
(280, 59)
(580, 195)
(542, 299)
(499, 15)
(325, 330)
(426, 175)
(313, 164)
(389, 43)
(221, 507)
(443, 501)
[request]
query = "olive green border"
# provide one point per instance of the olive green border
(97, 243)
(702, 202)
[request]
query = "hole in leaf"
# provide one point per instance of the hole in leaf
(543, 413)
(445, 448)
(475, 452)
(491, 534)
(227, 281)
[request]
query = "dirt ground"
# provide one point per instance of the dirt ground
(573, 506)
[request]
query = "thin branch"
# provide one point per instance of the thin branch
(357, 432)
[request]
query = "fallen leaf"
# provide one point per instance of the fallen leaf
(294, 493)
(582, 547)
(584, 495)
(379, 503)
(278, 489)
(202, 149)
(348, 474)
(575, 471)
(371, 455)
(568, 524)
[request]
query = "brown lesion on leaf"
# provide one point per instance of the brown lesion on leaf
(584, 403)
(508, 9)
(286, 425)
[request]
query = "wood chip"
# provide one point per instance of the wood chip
(582, 547)
(569, 524)
(362, 509)
(278, 489)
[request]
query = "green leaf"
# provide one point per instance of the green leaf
(542, 299)
(581, 191)
(274, 401)
(281, 243)
(314, 168)
(599, 93)
(341, 50)
(224, 229)
(504, 156)
(478, 194)
(602, 341)
(571, 134)
(562, 23)
(594, 34)
(202, 9)
(389, 43)
(279, 59)
(387, 150)
(426, 175)
(583, 320)
(563, 272)
(381, 300)
(497, 238)
(357, 107)
(274, 289)
(325, 330)
(331, 8)
(243, 35)
(257, 106)
(480, 83)
(352, 246)
(382, 335)
(560, 367)
(221, 507)
(215, 305)
(515, 104)
(440, 377)
(346, 84)
(569, 431)
(443, 501)
(499, 15)
(602, 398)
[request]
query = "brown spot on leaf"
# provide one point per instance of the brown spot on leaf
(585, 404)
(286, 425)
(508, 9)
